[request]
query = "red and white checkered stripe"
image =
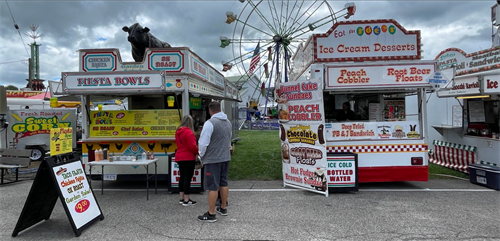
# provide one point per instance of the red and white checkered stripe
(454, 158)
(378, 148)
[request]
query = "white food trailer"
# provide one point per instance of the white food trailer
(374, 68)
(466, 131)
(167, 84)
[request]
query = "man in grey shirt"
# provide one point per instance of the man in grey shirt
(214, 148)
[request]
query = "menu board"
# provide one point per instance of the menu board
(134, 123)
(375, 112)
(476, 111)
(457, 115)
(76, 192)
(301, 117)
(61, 140)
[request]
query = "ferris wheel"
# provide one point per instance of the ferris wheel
(267, 33)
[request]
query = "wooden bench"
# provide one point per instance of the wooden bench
(14, 159)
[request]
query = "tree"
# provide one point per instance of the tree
(11, 87)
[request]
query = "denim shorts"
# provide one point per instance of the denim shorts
(215, 175)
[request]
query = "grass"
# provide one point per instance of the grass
(437, 172)
(258, 157)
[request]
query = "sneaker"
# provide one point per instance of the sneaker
(207, 217)
(221, 211)
(188, 203)
(181, 201)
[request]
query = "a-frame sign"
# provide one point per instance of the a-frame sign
(60, 176)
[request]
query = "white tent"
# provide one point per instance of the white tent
(270, 103)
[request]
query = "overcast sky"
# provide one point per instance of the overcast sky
(72, 25)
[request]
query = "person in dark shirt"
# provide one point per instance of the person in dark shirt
(346, 113)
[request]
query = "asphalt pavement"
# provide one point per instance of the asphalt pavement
(441, 209)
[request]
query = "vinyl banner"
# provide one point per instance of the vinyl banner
(302, 122)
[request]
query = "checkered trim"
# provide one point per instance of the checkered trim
(454, 145)
(378, 148)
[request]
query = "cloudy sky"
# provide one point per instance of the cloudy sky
(71, 25)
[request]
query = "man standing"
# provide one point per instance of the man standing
(214, 148)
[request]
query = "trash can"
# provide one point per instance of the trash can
(342, 172)
(485, 175)
(173, 183)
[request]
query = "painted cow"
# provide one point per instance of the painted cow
(140, 38)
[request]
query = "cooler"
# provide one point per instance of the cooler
(342, 172)
(173, 184)
(485, 175)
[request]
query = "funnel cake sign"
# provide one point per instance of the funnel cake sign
(367, 40)
(303, 151)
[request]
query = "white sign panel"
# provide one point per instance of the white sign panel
(491, 84)
(112, 81)
(465, 86)
(480, 61)
(362, 76)
(372, 130)
(78, 196)
(367, 40)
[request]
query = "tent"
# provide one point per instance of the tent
(269, 104)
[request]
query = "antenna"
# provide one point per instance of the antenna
(33, 34)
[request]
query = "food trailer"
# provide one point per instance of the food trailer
(466, 132)
(373, 68)
(166, 85)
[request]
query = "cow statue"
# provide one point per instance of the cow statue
(140, 38)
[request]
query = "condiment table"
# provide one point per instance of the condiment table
(144, 163)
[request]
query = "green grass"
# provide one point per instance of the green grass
(258, 157)
(437, 172)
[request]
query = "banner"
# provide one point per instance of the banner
(133, 123)
(302, 122)
(61, 140)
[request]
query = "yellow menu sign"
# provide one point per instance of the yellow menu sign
(134, 123)
(61, 140)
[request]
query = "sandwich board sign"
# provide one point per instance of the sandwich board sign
(62, 177)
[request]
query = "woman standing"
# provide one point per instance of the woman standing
(185, 157)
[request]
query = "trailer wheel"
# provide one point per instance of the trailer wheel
(37, 154)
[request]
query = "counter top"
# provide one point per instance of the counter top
(482, 138)
(123, 139)
(106, 162)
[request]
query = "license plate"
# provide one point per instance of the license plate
(481, 180)
(110, 177)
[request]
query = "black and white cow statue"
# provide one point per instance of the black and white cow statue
(140, 38)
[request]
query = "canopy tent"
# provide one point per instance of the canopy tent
(41, 96)
(269, 104)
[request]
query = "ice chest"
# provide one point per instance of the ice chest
(485, 175)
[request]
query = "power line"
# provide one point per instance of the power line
(15, 61)
(17, 27)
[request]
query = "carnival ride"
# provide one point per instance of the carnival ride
(277, 27)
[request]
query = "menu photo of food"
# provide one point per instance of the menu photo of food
(283, 113)
(285, 153)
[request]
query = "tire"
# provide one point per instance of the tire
(38, 153)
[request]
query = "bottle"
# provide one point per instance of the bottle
(152, 156)
(143, 155)
(105, 154)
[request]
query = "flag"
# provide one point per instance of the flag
(266, 70)
(263, 88)
(255, 59)
(270, 55)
